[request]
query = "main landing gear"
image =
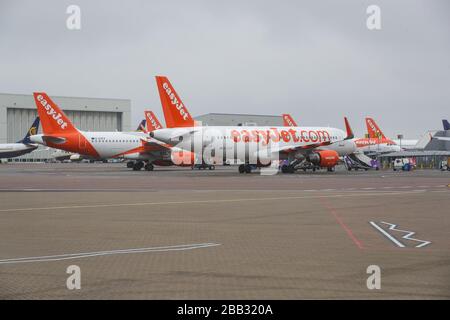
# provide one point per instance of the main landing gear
(138, 165)
(287, 168)
(245, 168)
(148, 166)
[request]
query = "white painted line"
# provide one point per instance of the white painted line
(71, 256)
(207, 201)
(399, 244)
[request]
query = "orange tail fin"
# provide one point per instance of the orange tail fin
(288, 121)
(152, 121)
(373, 130)
(175, 112)
(53, 119)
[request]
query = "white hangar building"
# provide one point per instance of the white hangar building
(17, 112)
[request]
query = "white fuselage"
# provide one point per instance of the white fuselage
(240, 143)
(11, 150)
(115, 144)
(101, 145)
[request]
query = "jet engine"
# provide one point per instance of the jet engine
(324, 159)
(75, 157)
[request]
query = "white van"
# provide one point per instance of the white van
(405, 164)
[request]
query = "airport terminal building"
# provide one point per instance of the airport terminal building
(17, 112)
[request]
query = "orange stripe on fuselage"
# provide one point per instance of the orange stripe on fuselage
(75, 142)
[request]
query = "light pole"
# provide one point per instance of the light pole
(400, 137)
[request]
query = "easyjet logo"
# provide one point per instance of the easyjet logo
(153, 122)
(371, 142)
(288, 120)
(173, 99)
(51, 112)
(372, 126)
(275, 135)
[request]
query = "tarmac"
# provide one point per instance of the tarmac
(177, 233)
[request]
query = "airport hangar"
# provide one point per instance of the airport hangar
(17, 112)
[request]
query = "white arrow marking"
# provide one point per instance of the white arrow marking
(408, 235)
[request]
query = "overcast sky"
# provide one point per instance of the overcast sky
(314, 59)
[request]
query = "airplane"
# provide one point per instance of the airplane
(375, 132)
(255, 146)
(446, 125)
(375, 142)
(24, 146)
(61, 155)
(60, 133)
(343, 148)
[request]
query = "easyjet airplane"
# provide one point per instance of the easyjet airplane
(255, 146)
(60, 133)
(375, 132)
(376, 142)
(343, 148)
(61, 155)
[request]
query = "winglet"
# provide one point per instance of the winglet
(349, 130)
(446, 125)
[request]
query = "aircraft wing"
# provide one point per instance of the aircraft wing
(441, 138)
(293, 148)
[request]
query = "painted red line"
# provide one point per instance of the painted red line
(346, 228)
